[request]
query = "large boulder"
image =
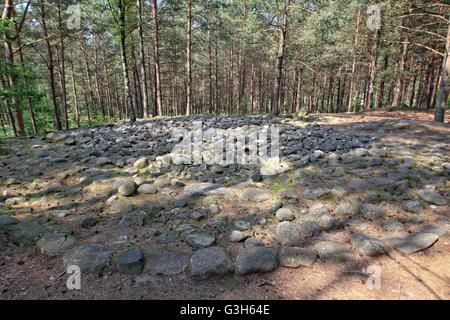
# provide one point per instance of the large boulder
(93, 258)
(211, 262)
(256, 260)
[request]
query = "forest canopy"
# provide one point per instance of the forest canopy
(69, 63)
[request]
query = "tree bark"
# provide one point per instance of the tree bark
(444, 86)
(189, 59)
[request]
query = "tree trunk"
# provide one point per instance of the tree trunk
(74, 90)
(62, 67)
(9, 13)
(355, 53)
(189, 59)
(280, 58)
(444, 86)
(50, 67)
(123, 53)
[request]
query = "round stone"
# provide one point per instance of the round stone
(91, 258)
(127, 189)
(287, 234)
(55, 244)
(210, 262)
(130, 261)
(256, 260)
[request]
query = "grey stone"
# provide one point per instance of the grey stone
(285, 214)
(127, 189)
(308, 229)
(345, 209)
(169, 264)
(274, 206)
(147, 189)
(141, 163)
(211, 262)
(15, 200)
(239, 236)
(199, 241)
(242, 225)
(316, 193)
(294, 257)
(199, 189)
(130, 261)
(253, 242)
(255, 194)
(411, 243)
(288, 194)
(333, 251)
(91, 258)
(372, 211)
(55, 244)
(6, 221)
(369, 246)
(392, 226)
(103, 161)
(413, 206)
(432, 197)
(288, 234)
(428, 228)
(255, 260)
(89, 222)
(169, 237)
(27, 232)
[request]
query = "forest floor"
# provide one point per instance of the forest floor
(356, 194)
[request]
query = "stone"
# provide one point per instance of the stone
(6, 221)
(169, 264)
(89, 222)
(197, 215)
(320, 215)
(274, 206)
(92, 258)
(147, 189)
(345, 209)
(15, 200)
(168, 237)
(319, 154)
(210, 262)
(369, 246)
(199, 189)
(70, 141)
(393, 226)
(27, 232)
(55, 244)
(432, 197)
(127, 189)
(285, 214)
(103, 161)
(255, 194)
(411, 243)
(199, 241)
(358, 184)
(316, 193)
(242, 225)
(130, 261)
(253, 242)
(372, 211)
(288, 194)
(255, 260)
(214, 209)
(308, 229)
(333, 251)
(287, 234)
(238, 236)
(428, 228)
(294, 257)
(141, 163)
(413, 206)
(256, 176)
